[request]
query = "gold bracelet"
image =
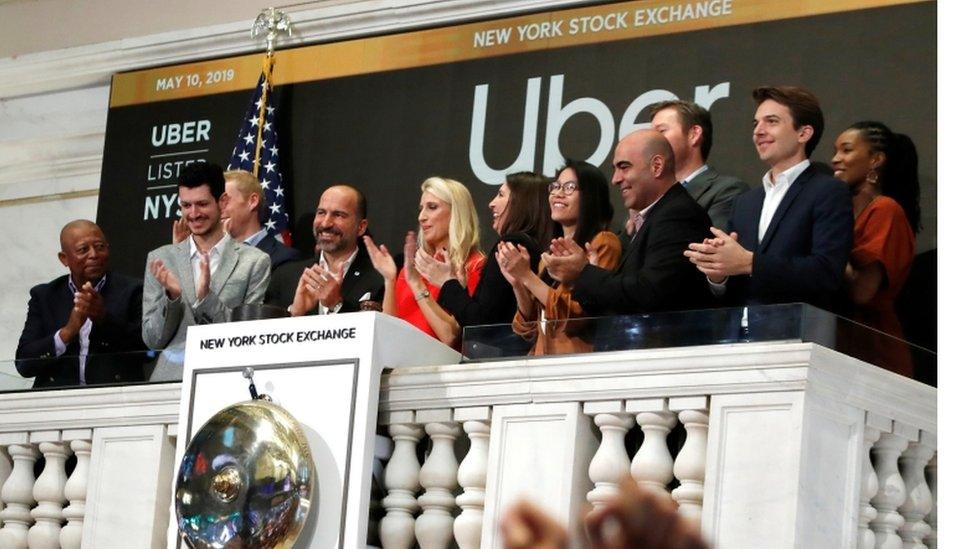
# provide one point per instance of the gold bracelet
(424, 294)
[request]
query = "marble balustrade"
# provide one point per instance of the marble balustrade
(784, 444)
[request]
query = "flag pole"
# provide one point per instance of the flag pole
(269, 22)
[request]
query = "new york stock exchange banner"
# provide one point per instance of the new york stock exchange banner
(475, 101)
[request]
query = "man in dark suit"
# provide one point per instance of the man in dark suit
(789, 239)
(241, 216)
(76, 321)
(653, 275)
(342, 278)
(688, 128)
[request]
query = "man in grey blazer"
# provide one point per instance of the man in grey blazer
(201, 279)
(688, 128)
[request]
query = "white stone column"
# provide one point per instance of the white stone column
(610, 463)
(869, 480)
(435, 525)
(49, 493)
(891, 487)
(18, 491)
(402, 480)
(76, 489)
(472, 476)
(689, 467)
(918, 500)
(5, 467)
(931, 471)
(653, 466)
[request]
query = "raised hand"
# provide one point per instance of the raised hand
(181, 231)
(435, 269)
(381, 259)
(565, 260)
(166, 279)
(325, 286)
(95, 302)
(525, 526)
(409, 252)
(203, 281)
(514, 261)
(720, 257)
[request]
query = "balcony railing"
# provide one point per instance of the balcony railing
(766, 442)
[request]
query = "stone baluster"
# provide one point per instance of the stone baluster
(49, 492)
(610, 463)
(472, 476)
(653, 465)
(869, 480)
(891, 487)
(5, 467)
(402, 480)
(931, 471)
(76, 489)
(918, 500)
(435, 525)
(689, 467)
(18, 491)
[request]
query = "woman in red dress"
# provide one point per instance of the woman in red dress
(881, 169)
(449, 231)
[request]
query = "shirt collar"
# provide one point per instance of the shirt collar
(694, 174)
(345, 264)
(256, 237)
(786, 178)
(98, 285)
(216, 251)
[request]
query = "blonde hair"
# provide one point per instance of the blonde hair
(246, 183)
(463, 227)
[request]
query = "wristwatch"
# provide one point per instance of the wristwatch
(423, 294)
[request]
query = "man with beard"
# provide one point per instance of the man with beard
(201, 279)
(341, 279)
(76, 321)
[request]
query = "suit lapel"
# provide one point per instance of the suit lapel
(781, 210)
(227, 263)
(637, 242)
(697, 186)
(351, 282)
(184, 268)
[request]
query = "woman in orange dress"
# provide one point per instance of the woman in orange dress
(881, 169)
(579, 200)
(449, 231)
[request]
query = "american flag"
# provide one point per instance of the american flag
(258, 140)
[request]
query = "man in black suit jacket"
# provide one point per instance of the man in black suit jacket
(789, 239)
(76, 321)
(342, 279)
(653, 275)
(688, 128)
(241, 216)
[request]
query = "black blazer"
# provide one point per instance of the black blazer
(361, 278)
(654, 275)
(493, 301)
(803, 253)
(121, 330)
(279, 252)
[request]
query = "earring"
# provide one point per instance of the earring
(872, 177)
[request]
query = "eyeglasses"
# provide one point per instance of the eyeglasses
(567, 188)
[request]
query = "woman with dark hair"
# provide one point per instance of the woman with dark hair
(580, 203)
(520, 216)
(881, 169)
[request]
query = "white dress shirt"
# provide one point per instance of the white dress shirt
(195, 257)
(323, 310)
(694, 174)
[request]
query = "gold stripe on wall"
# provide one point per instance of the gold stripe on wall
(56, 197)
(458, 43)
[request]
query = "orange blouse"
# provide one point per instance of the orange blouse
(558, 336)
(406, 302)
